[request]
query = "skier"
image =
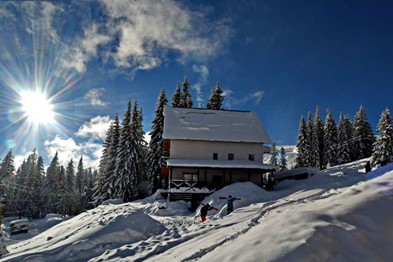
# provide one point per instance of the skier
(230, 201)
(205, 209)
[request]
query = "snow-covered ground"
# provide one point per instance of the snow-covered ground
(339, 214)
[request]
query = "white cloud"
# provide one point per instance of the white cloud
(18, 159)
(203, 72)
(96, 128)
(94, 96)
(85, 48)
(68, 149)
(144, 31)
(41, 16)
(251, 97)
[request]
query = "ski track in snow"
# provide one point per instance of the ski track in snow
(181, 230)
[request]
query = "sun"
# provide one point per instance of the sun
(37, 108)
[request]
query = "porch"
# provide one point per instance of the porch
(188, 179)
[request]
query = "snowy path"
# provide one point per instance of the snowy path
(174, 243)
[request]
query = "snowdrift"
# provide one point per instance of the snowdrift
(88, 235)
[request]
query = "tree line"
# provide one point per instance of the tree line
(322, 145)
(33, 192)
(129, 168)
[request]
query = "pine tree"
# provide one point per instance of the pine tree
(186, 100)
(105, 183)
(283, 160)
(216, 98)
(7, 167)
(348, 127)
(7, 170)
(273, 155)
(363, 135)
(79, 187)
(70, 201)
(140, 148)
(126, 167)
(177, 97)
(383, 146)
(52, 185)
(311, 142)
(154, 157)
(302, 145)
(28, 194)
(61, 194)
(343, 141)
(318, 135)
(79, 177)
(39, 178)
(330, 140)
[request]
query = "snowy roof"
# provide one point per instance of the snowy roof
(213, 125)
(246, 164)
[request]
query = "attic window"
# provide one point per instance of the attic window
(231, 156)
(251, 157)
(215, 156)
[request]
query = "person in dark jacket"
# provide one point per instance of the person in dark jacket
(205, 209)
(368, 167)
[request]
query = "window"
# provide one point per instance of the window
(251, 157)
(192, 177)
(215, 156)
(231, 156)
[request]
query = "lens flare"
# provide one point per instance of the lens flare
(37, 108)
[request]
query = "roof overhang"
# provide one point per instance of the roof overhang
(230, 164)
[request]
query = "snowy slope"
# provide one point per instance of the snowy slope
(339, 214)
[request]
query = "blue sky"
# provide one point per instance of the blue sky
(278, 58)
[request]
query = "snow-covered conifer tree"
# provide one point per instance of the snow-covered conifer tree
(343, 141)
(348, 127)
(79, 187)
(79, 177)
(7, 170)
(52, 185)
(318, 130)
(186, 99)
(7, 167)
(216, 98)
(330, 140)
(302, 145)
(110, 174)
(177, 97)
(126, 166)
(383, 146)
(363, 135)
(154, 158)
(140, 148)
(311, 141)
(70, 203)
(102, 190)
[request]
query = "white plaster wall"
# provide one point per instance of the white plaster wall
(185, 149)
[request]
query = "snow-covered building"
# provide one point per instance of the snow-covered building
(212, 148)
